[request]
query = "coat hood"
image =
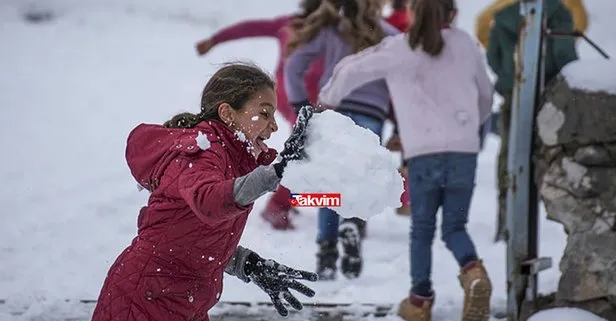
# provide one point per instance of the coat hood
(150, 148)
(510, 17)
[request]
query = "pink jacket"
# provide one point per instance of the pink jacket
(279, 28)
(439, 102)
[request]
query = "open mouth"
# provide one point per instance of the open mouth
(260, 144)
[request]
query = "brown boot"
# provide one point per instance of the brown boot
(416, 308)
(477, 292)
(404, 210)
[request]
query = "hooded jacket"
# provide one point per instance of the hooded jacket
(504, 37)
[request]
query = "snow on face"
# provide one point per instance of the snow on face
(366, 176)
(255, 122)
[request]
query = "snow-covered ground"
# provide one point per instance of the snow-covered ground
(70, 91)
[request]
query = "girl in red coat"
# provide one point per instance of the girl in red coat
(204, 171)
(282, 28)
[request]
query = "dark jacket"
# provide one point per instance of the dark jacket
(504, 36)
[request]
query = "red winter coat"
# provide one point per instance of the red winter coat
(400, 19)
(189, 229)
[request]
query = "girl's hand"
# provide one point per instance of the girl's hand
(204, 46)
(294, 146)
(394, 144)
(277, 280)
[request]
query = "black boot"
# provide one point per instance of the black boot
(326, 260)
(350, 237)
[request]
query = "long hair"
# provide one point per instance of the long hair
(234, 84)
(430, 17)
(359, 21)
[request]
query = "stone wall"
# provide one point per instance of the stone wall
(576, 174)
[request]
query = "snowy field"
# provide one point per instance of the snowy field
(70, 91)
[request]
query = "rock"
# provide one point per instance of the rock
(576, 175)
(587, 258)
(573, 116)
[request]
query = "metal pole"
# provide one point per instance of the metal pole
(521, 203)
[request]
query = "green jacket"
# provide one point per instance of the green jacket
(504, 37)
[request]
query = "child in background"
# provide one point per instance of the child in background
(485, 19)
(282, 28)
(401, 18)
(441, 94)
(204, 171)
(336, 29)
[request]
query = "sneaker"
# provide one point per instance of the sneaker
(279, 219)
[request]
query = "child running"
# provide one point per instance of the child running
(441, 94)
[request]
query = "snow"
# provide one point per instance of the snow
(202, 142)
(592, 71)
(81, 82)
(369, 184)
(565, 314)
(592, 75)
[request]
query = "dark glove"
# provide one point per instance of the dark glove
(294, 146)
(276, 279)
(298, 105)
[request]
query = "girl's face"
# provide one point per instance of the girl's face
(256, 119)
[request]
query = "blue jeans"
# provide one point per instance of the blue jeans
(328, 219)
(444, 180)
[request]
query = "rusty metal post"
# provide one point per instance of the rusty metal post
(521, 234)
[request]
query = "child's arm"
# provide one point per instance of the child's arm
(246, 29)
(212, 197)
(355, 70)
(250, 28)
(484, 87)
(296, 66)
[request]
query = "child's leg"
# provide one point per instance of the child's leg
(277, 210)
(328, 225)
(405, 207)
(425, 176)
(459, 185)
(328, 239)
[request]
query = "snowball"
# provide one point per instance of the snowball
(254, 118)
(202, 141)
(347, 159)
(592, 75)
(565, 314)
